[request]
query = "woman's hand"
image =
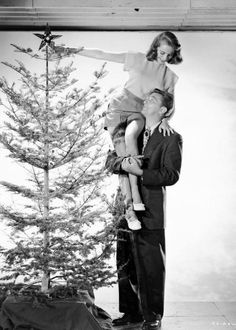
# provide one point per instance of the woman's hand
(65, 50)
(57, 49)
(165, 128)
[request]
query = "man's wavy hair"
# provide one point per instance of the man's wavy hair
(172, 41)
(167, 98)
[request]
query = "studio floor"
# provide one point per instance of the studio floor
(190, 316)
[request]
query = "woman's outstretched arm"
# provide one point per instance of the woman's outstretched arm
(94, 53)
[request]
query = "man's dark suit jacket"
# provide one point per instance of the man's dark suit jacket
(161, 168)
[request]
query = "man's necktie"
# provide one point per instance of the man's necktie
(146, 136)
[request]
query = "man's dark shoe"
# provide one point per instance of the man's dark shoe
(127, 319)
(156, 325)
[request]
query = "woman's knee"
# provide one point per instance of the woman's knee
(133, 130)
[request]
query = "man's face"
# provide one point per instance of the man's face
(152, 105)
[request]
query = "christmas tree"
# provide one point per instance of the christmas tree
(54, 128)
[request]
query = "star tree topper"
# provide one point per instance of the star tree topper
(47, 37)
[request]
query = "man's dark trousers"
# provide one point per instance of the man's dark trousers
(141, 263)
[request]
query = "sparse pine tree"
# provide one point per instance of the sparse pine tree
(64, 229)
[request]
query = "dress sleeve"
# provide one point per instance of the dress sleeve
(134, 61)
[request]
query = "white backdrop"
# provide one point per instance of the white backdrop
(201, 230)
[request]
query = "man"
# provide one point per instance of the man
(141, 283)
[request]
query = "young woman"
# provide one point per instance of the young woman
(146, 72)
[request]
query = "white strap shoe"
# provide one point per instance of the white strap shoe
(132, 220)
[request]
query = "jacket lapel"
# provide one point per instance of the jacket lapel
(154, 139)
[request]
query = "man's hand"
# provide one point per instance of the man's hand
(131, 165)
(139, 160)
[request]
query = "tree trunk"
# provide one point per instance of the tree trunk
(45, 275)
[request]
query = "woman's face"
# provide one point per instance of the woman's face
(164, 52)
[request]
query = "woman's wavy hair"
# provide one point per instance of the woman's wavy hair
(172, 41)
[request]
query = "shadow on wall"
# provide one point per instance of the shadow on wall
(207, 287)
(212, 280)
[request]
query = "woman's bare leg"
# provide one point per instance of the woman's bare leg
(124, 182)
(132, 132)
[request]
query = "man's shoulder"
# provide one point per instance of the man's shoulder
(175, 136)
